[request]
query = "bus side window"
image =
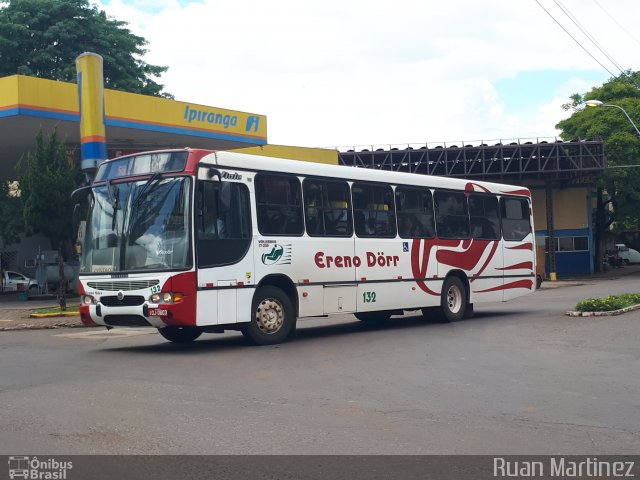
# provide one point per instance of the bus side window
(414, 207)
(327, 208)
(223, 223)
(515, 218)
(212, 224)
(452, 216)
(279, 204)
(373, 210)
(485, 220)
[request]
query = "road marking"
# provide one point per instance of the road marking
(107, 334)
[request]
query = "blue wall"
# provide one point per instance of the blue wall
(571, 264)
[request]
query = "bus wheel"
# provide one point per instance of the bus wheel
(434, 314)
(373, 317)
(453, 299)
(272, 317)
(180, 334)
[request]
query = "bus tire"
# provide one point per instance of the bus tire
(453, 299)
(373, 317)
(272, 317)
(434, 314)
(180, 334)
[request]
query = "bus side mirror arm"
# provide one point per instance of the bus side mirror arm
(81, 193)
(76, 217)
(214, 172)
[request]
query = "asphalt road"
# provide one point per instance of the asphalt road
(520, 377)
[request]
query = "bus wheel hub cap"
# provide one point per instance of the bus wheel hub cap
(453, 299)
(270, 316)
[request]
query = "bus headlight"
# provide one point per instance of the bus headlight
(166, 297)
(88, 300)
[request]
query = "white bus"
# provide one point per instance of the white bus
(192, 241)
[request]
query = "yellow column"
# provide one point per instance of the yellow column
(93, 144)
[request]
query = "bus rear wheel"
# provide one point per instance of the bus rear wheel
(272, 317)
(453, 299)
(434, 314)
(180, 334)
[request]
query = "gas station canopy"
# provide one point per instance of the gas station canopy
(133, 122)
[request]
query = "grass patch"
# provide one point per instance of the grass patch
(608, 304)
(72, 309)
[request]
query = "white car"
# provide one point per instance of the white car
(628, 255)
(12, 279)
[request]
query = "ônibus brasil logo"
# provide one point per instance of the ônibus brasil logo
(37, 469)
(279, 254)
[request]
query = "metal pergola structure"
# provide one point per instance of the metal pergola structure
(555, 162)
(513, 160)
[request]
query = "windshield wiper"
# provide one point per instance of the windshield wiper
(156, 177)
(113, 194)
(110, 195)
(135, 203)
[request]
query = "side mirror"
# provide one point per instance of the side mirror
(81, 193)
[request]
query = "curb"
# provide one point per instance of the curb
(603, 314)
(43, 327)
(51, 315)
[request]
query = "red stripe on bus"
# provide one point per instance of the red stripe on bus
(519, 192)
(524, 246)
(528, 284)
(517, 266)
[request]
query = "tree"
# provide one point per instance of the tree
(11, 213)
(47, 178)
(42, 38)
(619, 187)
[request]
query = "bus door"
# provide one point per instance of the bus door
(329, 245)
(518, 248)
(485, 255)
(378, 251)
(223, 251)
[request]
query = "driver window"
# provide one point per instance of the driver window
(224, 223)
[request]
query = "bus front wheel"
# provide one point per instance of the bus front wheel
(272, 317)
(180, 334)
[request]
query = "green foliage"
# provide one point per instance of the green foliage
(621, 143)
(46, 179)
(42, 38)
(608, 304)
(11, 214)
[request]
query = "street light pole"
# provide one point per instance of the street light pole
(598, 103)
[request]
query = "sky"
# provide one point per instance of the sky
(344, 73)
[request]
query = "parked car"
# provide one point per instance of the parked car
(11, 280)
(628, 255)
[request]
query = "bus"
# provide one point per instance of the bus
(193, 241)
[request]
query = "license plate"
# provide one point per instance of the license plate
(157, 312)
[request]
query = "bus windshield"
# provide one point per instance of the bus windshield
(139, 225)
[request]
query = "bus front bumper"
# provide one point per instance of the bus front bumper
(145, 315)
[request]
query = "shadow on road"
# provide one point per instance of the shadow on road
(304, 333)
